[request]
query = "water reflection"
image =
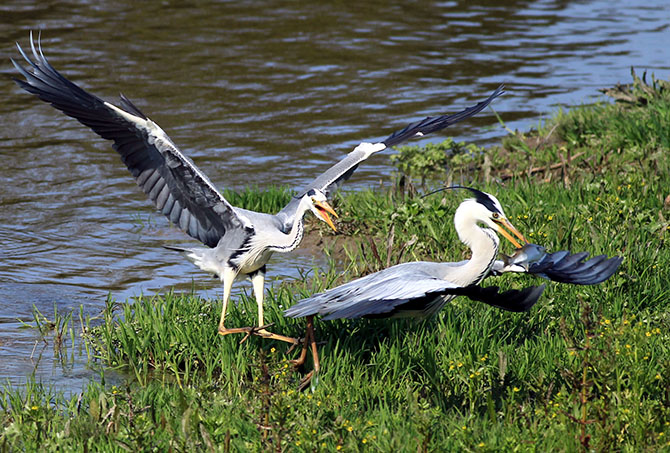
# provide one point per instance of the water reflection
(261, 93)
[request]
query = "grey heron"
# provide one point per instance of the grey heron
(238, 242)
(421, 288)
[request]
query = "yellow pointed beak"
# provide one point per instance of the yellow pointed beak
(504, 223)
(324, 209)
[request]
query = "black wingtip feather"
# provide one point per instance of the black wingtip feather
(435, 123)
(130, 107)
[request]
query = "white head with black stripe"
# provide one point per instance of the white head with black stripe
(483, 208)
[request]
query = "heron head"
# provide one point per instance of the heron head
(318, 203)
(487, 209)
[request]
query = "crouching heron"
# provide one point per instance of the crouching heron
(421, 288)
(238, 242)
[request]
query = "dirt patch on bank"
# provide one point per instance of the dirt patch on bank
(317, 240)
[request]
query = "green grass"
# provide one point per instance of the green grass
(588, 368)
(270, 200)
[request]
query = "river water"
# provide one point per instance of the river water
(259, 93)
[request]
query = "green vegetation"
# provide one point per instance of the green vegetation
(270, 200)
(436, 160)
(588, 368)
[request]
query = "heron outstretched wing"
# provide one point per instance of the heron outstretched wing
(171, 180)
(562, 266)
(329, 181)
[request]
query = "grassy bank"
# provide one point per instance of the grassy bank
(586, 368)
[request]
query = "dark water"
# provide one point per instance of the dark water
(259, 93)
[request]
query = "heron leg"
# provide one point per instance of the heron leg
(309, 341)
(258, 282)
(315, 354)
(309, 335)
(300, 361)
(261, 332)
(228, 279)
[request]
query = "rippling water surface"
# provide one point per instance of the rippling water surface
(259, 93)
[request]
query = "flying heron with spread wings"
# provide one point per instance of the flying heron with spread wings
(238, 242)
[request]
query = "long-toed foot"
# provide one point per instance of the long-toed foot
(260, 331)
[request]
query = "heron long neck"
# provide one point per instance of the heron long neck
(484, 245)
(291, 240)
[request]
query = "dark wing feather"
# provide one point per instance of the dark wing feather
(171, 180)
(567, 268)
(329, 181)
(432, 301)
(562, 266)
(511, 300)
(436, 123)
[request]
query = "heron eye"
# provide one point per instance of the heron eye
(495, 215)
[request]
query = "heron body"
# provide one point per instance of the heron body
(238, 242)
(420, 288)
